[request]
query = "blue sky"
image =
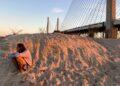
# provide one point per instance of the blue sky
(29, 15)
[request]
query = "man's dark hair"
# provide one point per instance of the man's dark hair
(21, 47)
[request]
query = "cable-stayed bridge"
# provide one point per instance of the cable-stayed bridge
(93, 16)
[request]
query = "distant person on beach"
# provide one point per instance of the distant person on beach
(22, 58)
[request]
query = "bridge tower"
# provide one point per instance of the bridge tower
(48, 23)
(57, 24)
(111, 32)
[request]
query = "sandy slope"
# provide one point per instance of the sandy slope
(63, 60)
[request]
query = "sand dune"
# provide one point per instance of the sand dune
(63, 60)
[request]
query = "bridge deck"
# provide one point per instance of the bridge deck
(98, 27)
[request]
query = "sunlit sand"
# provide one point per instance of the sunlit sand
(62, 60)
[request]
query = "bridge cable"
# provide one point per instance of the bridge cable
(91, 21)
(65, 18)
(77, 19)
(118, 9)
(89, 13)
(90, 17)
(103, 15)
(86, 13)
(96, 20)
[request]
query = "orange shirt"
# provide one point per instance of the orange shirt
(27, 56)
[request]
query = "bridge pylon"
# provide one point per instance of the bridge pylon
(48, 23)
(111, 31)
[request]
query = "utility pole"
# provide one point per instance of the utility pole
(48, 23)
(111, 32)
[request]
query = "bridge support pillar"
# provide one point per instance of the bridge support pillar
(103, 35)
(111, 31)
(91, 33)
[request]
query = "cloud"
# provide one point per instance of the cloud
(57, 10)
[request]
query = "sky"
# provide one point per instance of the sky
(30, 15)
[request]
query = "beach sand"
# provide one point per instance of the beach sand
(62, 60)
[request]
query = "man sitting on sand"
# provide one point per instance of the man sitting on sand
(22, 58)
